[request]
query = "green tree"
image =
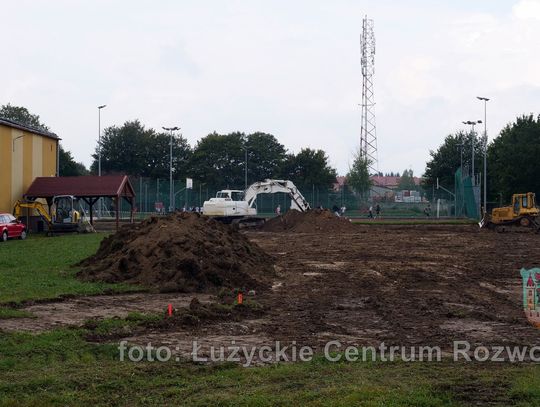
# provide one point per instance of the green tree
(218, 160)
(21, 115)
(406, 181)
(446, 159)
(159, 156)
(135, 150)
(309, 169)
(68, 167)
(358, 176)
(513, 164)
(265, 156)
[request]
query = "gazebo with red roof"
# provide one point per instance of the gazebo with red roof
(89, 188)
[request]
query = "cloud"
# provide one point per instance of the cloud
(290, 68)
(527, 10)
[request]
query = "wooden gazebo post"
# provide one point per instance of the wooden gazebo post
(117, 207)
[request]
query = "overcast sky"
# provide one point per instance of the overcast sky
(290, 68)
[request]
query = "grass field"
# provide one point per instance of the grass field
(41, 268)
(61, 367)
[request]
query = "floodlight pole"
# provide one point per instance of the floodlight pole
(473, 181)
(485, 100)
(171, 187)
(473, 134)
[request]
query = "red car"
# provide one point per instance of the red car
(11, 227)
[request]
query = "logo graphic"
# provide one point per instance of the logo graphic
(531, 295)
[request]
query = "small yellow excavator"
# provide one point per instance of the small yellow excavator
(522, 214)
(64, 217)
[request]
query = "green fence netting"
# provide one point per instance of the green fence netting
(466, 196)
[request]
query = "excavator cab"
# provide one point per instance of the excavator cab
(231, 195)
(66, 209)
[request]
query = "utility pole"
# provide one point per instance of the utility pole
(99, 153)
(485, 100)
(171, 187)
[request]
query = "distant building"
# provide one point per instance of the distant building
(25, 153)
(340, 183)
(391, 182)
(408, 196)
(386, 188)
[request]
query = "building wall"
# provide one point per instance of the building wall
(5, 168)
(21, 161)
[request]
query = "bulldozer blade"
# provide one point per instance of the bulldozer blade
(484, 222)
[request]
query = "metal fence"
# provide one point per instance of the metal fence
(154, 193)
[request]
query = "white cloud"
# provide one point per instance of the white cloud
(290, 68)
(527, 9)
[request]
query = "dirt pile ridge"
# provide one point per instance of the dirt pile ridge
(184, 252)
(314, 220)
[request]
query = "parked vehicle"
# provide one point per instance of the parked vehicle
(11, 228)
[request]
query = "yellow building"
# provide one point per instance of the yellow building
(25, 153)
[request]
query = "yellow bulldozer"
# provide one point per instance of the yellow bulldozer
(520, 216)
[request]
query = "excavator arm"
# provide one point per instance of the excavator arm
(272, 186)
(38, 206)
(68, 221)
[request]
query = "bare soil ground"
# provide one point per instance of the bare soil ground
(404, 285)
(75, 311)
(182, 252)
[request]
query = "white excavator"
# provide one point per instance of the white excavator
(239, 207)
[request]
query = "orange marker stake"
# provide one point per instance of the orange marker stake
(240, 298)
(169, 310)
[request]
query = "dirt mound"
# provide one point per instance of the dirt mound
(315, 220)
(183, 252)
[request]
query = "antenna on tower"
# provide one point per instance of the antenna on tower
(368, 133)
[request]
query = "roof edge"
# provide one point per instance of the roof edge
(30, 129)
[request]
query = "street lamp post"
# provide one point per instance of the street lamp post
(473, 134)
(99, 153)
(473, 181)
(171, 187)
(485, 100)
